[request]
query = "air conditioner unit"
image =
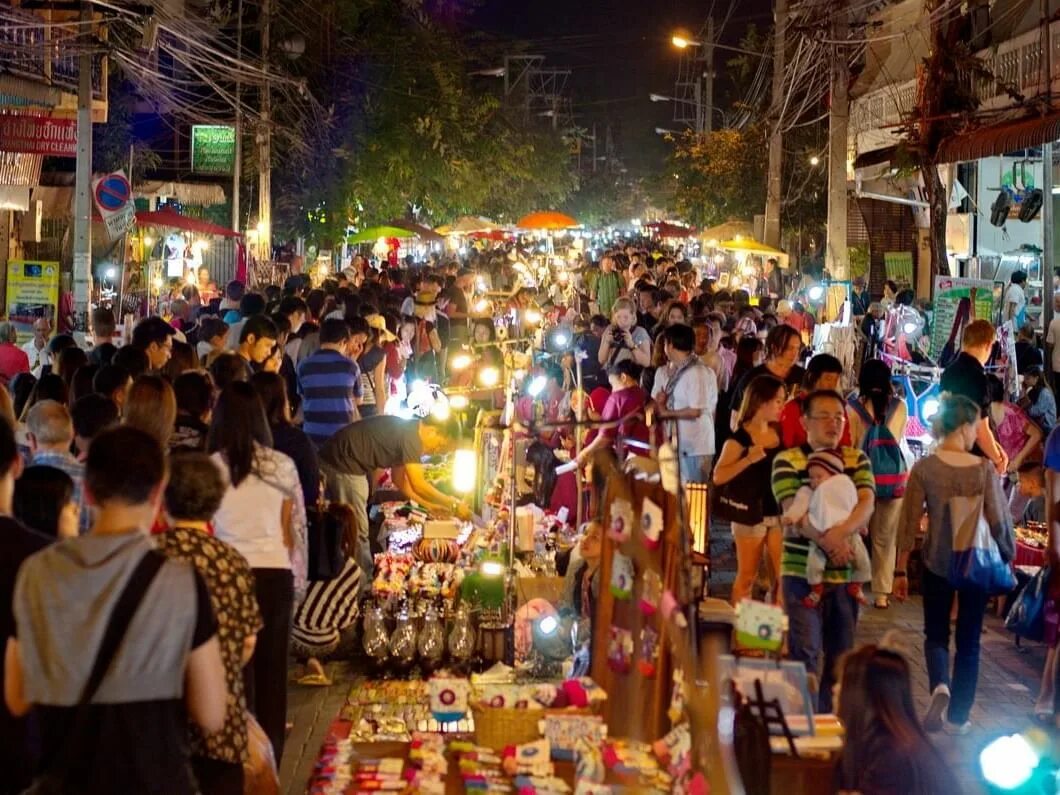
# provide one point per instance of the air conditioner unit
(30, 227)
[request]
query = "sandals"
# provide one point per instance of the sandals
(881, 603)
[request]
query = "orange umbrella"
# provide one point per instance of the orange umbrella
(547, 219)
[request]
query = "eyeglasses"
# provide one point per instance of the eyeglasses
(838, 419)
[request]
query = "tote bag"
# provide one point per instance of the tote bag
(1027, 616)
(976, 561)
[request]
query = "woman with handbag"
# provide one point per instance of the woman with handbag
(741, 479)
(959, 490)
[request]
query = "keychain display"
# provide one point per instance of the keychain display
(620, 650)
(651, 523)
(621, 521)
(648, 658)
(621, 576)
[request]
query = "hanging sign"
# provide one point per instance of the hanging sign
(113, 196)
(38, 135)
(949, 318)
(32, 293)
(213, 148)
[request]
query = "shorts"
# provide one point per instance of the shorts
(759, 530)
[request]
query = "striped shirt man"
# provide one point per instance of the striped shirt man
(330, 386)
(789, 475)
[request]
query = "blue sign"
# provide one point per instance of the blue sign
(113, 192)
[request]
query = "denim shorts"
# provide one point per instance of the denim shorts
(756, 530)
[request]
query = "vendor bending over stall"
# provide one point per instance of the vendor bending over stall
(350, 457)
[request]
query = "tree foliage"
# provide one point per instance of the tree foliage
(410, 132)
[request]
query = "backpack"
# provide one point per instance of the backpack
(884, 453)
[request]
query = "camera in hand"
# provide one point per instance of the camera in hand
(618, 337)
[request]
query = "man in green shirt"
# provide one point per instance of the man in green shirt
(829, 626)
(608, 286)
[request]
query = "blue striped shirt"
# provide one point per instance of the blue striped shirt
(76, 470)
(330, 385)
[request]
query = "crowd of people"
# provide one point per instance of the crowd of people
(155, 495)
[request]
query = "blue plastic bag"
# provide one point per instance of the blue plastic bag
(976, 561)
(1026, 618)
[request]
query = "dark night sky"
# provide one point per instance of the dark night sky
(619, 52)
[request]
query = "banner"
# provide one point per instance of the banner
(32, 293)
(38, 135)
(213, 148)
(949, 293)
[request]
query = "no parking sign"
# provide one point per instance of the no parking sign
(113, 196)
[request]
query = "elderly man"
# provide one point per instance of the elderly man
(37, 348)
(828, 625)
(50, 434)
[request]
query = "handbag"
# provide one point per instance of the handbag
(259, 769)
(739, 500)
(1026, 617)
(329, 530)
(55, 780)
(976, 560)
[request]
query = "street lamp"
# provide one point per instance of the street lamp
(815, 160)
(682, 43)
(660, 98)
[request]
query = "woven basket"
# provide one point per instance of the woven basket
(496, 727)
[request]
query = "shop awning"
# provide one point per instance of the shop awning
(421, 231)
(202, 194)
(999, 139)
(171, 218)
(669, 229)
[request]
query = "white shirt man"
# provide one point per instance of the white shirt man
(37, 348)
(686, 390)
(1015, 301)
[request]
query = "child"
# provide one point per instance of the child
(828, 500)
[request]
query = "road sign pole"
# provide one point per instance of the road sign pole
(82, 262)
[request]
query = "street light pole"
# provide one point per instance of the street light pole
(265, 145)
(707, 111)
(776, 138)
(837, 255)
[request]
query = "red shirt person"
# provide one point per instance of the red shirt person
(626, 402)
(13, 360)
(823, 372)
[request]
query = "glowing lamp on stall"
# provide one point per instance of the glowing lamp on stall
(537, 386)
(1008, 762)
(440, 410)
(909, 327)
(464, 471)
(158, 282)
(480, 283)
(815, 293)
(532, 316)
(460, 362)
(458, 402)
(110, 273)
(489, 376)
(482, 305)
(491, 568)
(558, 339)
(929, 407)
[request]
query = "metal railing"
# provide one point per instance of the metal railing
(28, 51)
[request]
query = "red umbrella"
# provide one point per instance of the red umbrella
(167, 216)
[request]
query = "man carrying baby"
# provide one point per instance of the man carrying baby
(828, 624)
(828, 500)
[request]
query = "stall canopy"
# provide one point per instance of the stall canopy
(419, 230)
(203, 194)
(373, 233)
(469, 224)
(729, 230)
(169, 217)
(546, 220)
(669, 229)
(750, 246)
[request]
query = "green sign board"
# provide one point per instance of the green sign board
(213, 148)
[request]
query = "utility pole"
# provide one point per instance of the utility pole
(776, 138)
(837, 255)
(82, 261)
(265, 146)
(237, 164)
(594, 147)
(706, 123)
(1048, 243)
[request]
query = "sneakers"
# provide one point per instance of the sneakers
(940, 701)
(957, 729)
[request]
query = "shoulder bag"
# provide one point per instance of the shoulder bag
(975, 561)
(739, 500)
(57, 780)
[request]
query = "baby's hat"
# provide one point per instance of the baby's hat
(831, 460)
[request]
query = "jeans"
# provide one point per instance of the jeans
(971, 606)
(828, 627)
(695, 468)
(353, 490)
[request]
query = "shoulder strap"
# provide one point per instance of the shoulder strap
(120, 618)
(860, 410)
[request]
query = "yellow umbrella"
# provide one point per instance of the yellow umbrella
(727, 231)
(752, 246)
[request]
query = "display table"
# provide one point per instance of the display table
(1028, 555)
